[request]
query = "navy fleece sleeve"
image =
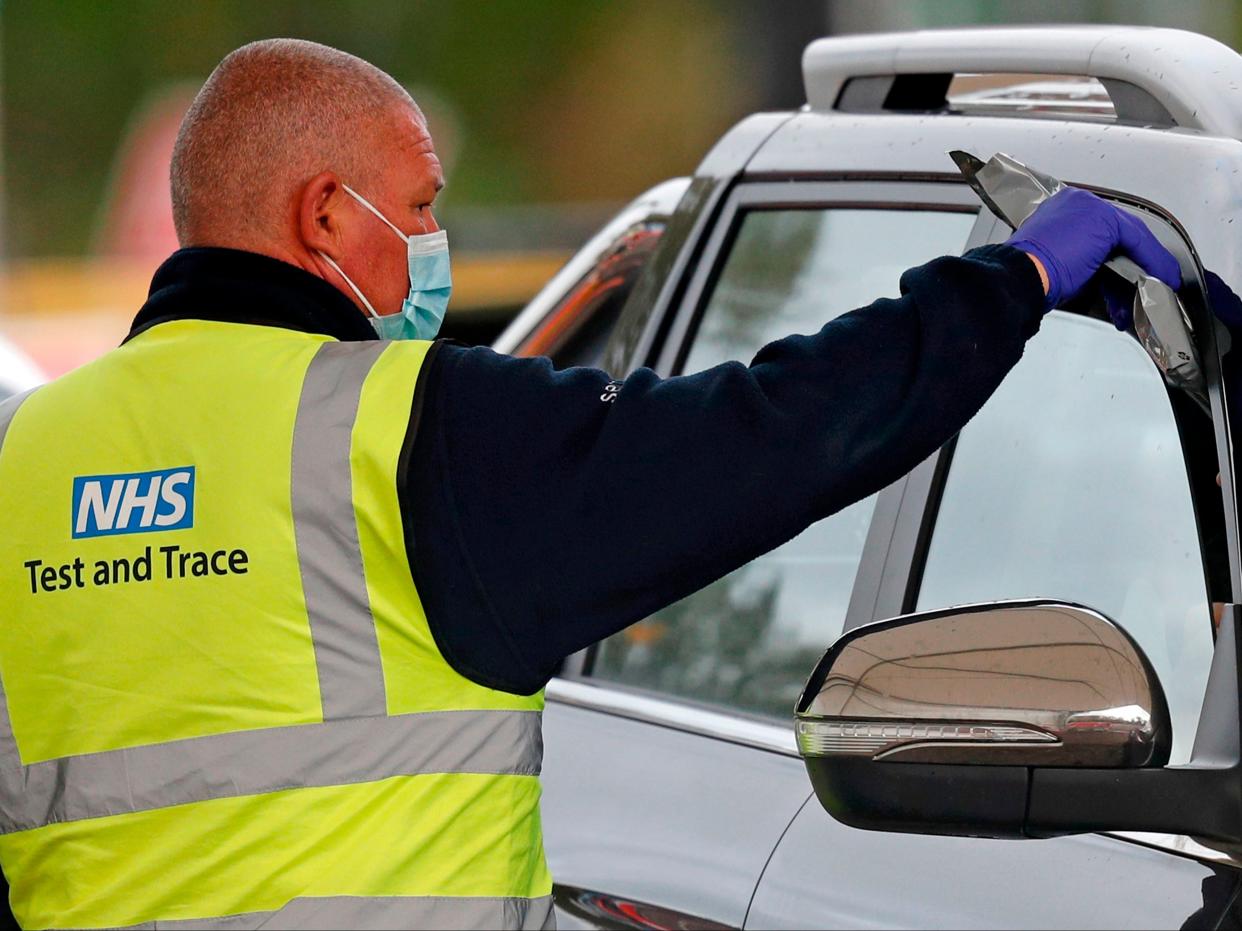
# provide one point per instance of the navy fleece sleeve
(548, 511)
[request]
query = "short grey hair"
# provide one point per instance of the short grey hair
(272, 115)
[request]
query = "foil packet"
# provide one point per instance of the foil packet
(1012, 191)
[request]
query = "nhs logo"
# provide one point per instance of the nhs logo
(133, 502)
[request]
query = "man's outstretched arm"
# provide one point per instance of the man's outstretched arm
(550, 509)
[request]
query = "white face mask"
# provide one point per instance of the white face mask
(431, 282)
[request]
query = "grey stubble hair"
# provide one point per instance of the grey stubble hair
(272, 115)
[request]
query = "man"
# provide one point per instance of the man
(284, 665)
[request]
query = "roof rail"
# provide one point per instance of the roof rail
(1158, 76)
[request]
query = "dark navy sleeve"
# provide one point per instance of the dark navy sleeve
(547, 510)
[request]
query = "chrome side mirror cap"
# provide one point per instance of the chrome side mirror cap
(1020, 683)
(1013, 719)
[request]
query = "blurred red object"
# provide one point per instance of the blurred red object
(136, 220)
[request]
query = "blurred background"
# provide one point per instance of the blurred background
(548, 114)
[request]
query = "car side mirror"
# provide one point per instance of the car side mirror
(1010, 719)
(1034, 684)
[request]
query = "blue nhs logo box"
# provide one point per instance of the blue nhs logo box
(133, 502)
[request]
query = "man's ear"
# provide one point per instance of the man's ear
(320, 207)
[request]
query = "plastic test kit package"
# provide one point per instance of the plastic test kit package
(1012, 191)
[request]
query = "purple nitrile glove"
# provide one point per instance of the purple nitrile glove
(1074, 232)
(1118, 297)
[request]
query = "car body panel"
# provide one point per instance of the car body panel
(827, 875)
(662, 815)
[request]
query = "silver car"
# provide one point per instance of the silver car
(675, 794)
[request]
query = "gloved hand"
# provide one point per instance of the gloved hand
(1118, 297)
(1074, 232)
(1225, 304)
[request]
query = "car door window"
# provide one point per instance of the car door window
(748, 640)
(576, 329)
(1071, 484)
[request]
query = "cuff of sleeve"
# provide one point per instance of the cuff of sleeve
(1026, 276)
(1051, 268)
(1026, 287)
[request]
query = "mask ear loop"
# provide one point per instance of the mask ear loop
(366, 203)
(362, 297)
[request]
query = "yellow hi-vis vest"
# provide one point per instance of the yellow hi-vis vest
(220, 696)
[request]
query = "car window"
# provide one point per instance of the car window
(748, 640)
(576, 329)
(1071, 484)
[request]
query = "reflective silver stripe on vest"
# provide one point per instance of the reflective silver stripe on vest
(197, 769)
(351, 678)
(10, 760)
(8, 407)
(341, 911)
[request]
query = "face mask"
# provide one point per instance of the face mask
(431, 282)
